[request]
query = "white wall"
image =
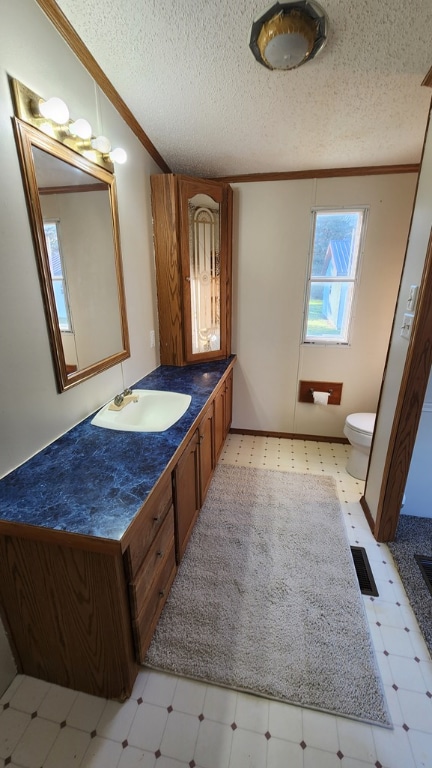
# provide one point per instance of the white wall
(412, 273)
(32, 413)
(272, 227)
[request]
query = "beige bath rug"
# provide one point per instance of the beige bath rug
(267, 600)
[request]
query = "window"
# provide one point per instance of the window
(337, 243)
(52, 238)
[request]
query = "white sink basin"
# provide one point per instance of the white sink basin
(154, 411)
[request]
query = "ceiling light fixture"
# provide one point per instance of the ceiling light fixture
(52, 117)
(288, 35)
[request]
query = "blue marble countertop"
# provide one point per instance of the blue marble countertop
(92, 481)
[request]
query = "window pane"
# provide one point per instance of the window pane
(329, 311)
(58, 280)
(53, 249)
(337, 237)
(336, 243)
(61, 305)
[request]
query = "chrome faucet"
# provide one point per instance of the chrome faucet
(119, 398)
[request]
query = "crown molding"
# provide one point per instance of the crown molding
(321, 173)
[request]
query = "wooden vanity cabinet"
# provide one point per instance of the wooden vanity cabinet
(207, 457)
(222, 412)
(65, 607)
(150, 563)
(80, 611)
(192, 232)
(146, 525)
(191, 478)
(228, 402)
(187, 502)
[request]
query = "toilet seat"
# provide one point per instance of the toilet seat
(363, 423)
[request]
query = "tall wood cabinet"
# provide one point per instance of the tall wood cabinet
(192, 229)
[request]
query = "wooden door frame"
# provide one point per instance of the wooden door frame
(408, 409)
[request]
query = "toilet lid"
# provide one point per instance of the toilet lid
(361, 422)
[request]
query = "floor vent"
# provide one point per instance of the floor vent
(425, 565)
(364, 574)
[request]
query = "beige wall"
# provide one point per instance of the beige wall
(272, 238)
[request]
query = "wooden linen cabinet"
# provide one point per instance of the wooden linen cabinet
(192, 228)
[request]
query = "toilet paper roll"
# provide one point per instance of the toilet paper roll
(321, 398)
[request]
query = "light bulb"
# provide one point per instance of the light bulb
(101, 144)
(81, 128)
(48, 128)
(54, 109)
(118, 155)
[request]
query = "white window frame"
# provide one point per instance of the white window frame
(353, 280)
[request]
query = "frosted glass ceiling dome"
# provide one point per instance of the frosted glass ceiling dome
(288, 35)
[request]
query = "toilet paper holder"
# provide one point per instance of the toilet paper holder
(307, 388)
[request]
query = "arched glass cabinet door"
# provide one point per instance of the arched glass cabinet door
(205, 267)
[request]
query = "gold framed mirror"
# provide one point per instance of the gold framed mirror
(73, 214)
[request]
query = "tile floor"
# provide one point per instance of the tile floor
(170, 722)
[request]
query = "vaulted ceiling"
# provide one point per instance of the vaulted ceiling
(186, 72)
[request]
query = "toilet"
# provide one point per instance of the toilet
(359, 429)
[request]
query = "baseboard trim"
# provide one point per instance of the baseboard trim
(367, 513)
(289, 435)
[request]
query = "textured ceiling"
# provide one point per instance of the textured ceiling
(186, 72)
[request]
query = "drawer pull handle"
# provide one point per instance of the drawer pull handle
(160, 553)
(161, 593)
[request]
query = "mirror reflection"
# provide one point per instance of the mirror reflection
(74, 219)
(204, 250)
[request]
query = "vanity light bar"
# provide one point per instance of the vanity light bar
(54, 109)
(81, 128)
(52, 117)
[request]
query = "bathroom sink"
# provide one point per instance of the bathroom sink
(151, 410)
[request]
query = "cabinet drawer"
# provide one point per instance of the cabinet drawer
(144, 624)
(153, 564)
(146, 526)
